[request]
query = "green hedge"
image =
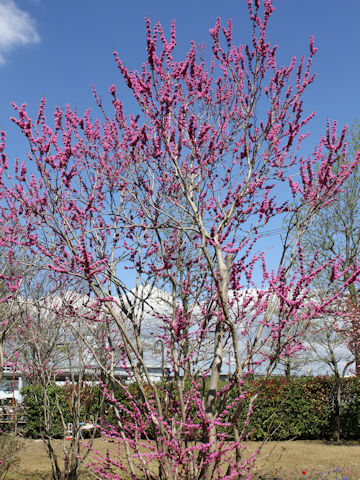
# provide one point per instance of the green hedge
(33, 399)
(304, 408)
(300, 407)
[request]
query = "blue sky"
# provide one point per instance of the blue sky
(58, 49)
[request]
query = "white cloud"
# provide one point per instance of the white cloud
(16, 28)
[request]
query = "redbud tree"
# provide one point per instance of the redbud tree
(181, 193)
(49, 350)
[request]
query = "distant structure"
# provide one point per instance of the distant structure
(10, 387)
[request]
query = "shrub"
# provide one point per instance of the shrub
(299, 407)
(33, 396)
(303, 407)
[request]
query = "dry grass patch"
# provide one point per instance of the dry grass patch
(285, 460)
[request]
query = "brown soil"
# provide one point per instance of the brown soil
(284, 460)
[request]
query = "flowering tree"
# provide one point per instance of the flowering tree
(14, 269)
(48, 350)
(181, 193)
(336, 231)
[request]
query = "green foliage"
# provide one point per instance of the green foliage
(289, 408)
(299, 407)
(303, 408)
(108, 415)
(350, 408)
(33, 401)
(33, 404)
